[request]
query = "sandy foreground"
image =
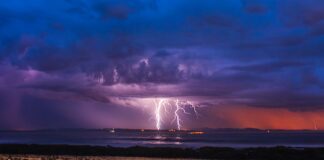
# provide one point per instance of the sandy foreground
(40, 157)
(67, 152)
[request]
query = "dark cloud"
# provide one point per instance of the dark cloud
(217, 21)
(269, 67)
(302, 12)
(317, 30)
(252, 53)
(256, 9)
(255, 6)
(284, 98)
(77, 92)
(163, 54)
(120, 10)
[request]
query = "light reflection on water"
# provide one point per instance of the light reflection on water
(178, 138)
(161, 139)
(126, 138)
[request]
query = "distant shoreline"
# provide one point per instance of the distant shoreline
(166, 130)
(260, 153)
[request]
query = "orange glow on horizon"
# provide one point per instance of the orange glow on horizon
(270, 118)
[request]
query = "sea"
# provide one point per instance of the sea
(167, 138)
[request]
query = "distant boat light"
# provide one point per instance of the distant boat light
(197, 132)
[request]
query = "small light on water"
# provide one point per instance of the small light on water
(196, 132)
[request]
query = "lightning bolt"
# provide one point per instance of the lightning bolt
(194, 107)
(158, 107)
(180, 106)
(176, 115)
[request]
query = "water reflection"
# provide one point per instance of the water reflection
(159, 137)
(127, 138)
(166, 139)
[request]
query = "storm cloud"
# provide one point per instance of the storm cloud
(258, 54)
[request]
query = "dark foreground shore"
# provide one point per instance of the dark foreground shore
(274, 153)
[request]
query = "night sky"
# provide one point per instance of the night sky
(103, 63)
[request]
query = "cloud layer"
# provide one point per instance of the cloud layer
(226, 53)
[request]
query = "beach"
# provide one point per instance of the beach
(65, 157)
(15, 151)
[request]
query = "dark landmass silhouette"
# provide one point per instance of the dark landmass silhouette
(261, 153)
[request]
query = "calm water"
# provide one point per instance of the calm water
(122, 138)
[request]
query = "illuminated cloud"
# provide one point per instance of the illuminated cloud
(111, 56)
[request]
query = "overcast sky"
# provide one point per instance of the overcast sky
(101, 63)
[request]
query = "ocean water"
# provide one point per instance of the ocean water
(126, 138)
